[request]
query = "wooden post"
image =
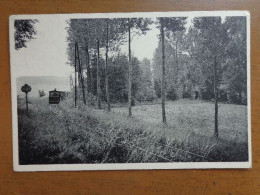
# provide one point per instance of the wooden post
(26, 88)
(27, 110)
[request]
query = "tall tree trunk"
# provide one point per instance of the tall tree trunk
(80, 72)
(163, 74)
(176, 51)
(106, 73)
(130, 71)
(92, 77)
(75, 82)
(98, 79)
(88, 71)
(216, 97)
(113, 83)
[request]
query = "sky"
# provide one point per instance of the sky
(46, 54)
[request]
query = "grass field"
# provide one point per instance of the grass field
(64, 134)
(187, 116)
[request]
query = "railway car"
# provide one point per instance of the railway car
(54, 97)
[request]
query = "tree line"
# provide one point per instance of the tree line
(206, 60)
(108, 34)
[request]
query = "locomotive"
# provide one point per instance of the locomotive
(56, 96)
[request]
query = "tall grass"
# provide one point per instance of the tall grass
(64, 134)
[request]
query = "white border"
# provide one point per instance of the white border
(126, 166)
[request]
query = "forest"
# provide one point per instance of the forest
(206, 60)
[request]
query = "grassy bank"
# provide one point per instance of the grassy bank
(63, 134)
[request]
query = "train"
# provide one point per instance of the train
(56, 96)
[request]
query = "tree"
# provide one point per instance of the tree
(24, 32)
(74, 40)
(112, 41)
(98, 78)
(80, 72)
(89, 34)
(93, 35)
(119, 72)
(110, 36)
(145, 90)
(173, 25)
(106, 66)
(162, 26)
(98, 33)
(141, 26)
(89, 76)
(235, 74)
(211, 49)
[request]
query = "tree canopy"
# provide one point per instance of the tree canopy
(24, 32)
(189, 56)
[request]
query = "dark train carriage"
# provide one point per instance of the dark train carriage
(54, 97)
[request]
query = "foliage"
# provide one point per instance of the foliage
(190, 56)
(235, 75)
(157, 88)
(178, 74)
(24, 32)
(145, 86)
(171, 93)
(86, 31)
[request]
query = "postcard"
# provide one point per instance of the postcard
(122, 91)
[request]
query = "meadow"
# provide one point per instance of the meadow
(59, 134)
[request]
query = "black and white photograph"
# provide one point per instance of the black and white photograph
(119, 91)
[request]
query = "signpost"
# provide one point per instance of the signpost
(26, 88)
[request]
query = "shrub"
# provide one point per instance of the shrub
(171, 94)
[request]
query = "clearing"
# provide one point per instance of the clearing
(59, 134)
(186, 116)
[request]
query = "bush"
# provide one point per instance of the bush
(145, 95)
(234, 97)
(171, 94)
(157, 88)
